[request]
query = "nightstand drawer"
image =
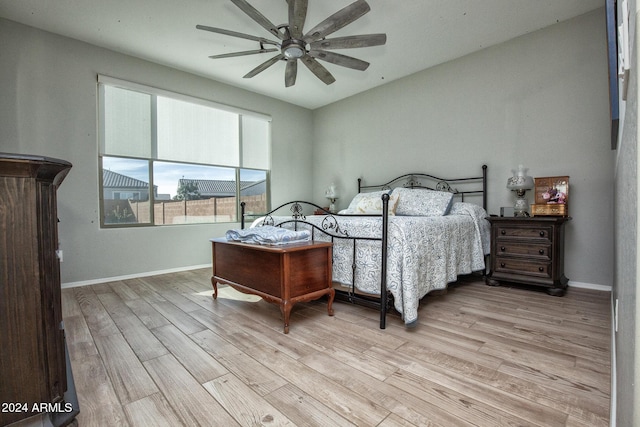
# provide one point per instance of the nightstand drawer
(535, 232)
(515, 266)
(531, 251)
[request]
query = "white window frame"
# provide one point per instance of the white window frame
(154, 92)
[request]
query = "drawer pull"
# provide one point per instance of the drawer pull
(542, 234)
(502, 264)
(502, 248)
(503, 232)
(541, 269)
(541, 251)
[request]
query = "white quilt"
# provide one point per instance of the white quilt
(424, 253)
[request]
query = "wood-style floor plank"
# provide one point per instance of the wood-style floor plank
(128, 376)
(465, 381)
(256, 376)
(96, 317)
(159, 351)
(196, 360)
(152, 411)
(96, 396)
(188, 398)
(148, 315)
(245, 405)
(144, 344)
(303, 409)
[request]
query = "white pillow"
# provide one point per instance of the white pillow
(423, 202)
(371, 203)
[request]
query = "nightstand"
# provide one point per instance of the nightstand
(528, 251)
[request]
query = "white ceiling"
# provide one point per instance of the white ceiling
(420, 34)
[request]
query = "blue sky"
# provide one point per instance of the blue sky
(166, 175)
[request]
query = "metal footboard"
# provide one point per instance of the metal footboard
(331, 228)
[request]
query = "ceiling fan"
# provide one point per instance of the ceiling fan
(294, 44)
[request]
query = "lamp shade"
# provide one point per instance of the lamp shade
(332, 192)
(520, 183)
(520, 180)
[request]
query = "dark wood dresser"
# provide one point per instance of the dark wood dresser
(33, 367)
(528, 251)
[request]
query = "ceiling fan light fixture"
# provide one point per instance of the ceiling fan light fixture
(293, 49)
(294, 52)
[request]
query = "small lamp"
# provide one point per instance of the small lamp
(332, 195)
(520, 182)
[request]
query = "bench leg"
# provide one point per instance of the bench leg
(332, 295)
(214, 283)
(285, 308)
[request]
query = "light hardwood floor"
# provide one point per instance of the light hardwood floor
(159, 351)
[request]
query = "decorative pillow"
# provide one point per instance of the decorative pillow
(371, 203)
(422, 202)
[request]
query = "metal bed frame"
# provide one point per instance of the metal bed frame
(460, 187)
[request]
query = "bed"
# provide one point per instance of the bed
(397, 241)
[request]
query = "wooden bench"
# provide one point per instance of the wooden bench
(283, 275)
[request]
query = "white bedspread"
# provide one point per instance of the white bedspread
(424, 253)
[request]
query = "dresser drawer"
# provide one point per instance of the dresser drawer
(523, 267)
(533, 232)
(538, 251)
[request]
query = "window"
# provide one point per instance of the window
(169, 159)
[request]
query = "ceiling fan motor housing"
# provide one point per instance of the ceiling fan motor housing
(293, 48)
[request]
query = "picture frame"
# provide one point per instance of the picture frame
(551, 196)
(612, 57)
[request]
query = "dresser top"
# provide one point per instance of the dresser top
(32, 166)
(31, 158)
(513, 219)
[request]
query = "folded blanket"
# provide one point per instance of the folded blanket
(268, 235)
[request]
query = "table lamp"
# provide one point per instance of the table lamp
(332, 195)
(520, 182)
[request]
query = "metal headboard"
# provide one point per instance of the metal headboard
(462, 187)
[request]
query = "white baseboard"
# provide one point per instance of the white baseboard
(595, 287)
(573, 284)
(132, 276)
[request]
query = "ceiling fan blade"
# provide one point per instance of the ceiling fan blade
(246, 52)
(342, 60)
(297, 16)
(236, 34)
(291, 72)
(260, 68)
(338, 20)
(349, 42)
(316, 68)
(258, 17)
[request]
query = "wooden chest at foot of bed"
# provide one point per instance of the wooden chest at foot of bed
(283, 275)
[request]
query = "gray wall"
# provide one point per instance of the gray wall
(626, 405)
(48, 107)
(540, 100)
